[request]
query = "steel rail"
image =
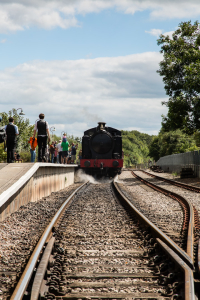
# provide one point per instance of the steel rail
(35, 291)
(182, 185)
(189, 279)
(156, 232)
(26, 276)
(191, 225)
(187, 187)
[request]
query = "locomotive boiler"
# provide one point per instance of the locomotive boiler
(102, 151)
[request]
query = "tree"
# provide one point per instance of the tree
(25, 129)
(167, 143)
(135, 147)
(180, 69)
(154, 149)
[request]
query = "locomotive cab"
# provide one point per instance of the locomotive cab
(102, 150)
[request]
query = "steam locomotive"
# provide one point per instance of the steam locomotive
(102, 151)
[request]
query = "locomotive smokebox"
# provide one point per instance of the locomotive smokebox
(101, 125)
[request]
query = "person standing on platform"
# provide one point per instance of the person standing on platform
(65, 146)
(42, 128)
(11, 133)
(52, 152)
(55, 154)
(59, 152)
(73, 153)
(33, 145)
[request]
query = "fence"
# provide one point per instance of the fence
(175, 162)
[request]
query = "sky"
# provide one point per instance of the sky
(84, 61)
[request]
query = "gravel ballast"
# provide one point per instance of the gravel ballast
(163, 211)
(20, 232)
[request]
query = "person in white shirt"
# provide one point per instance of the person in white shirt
(59, 152)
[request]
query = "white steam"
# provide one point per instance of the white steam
(80, 176)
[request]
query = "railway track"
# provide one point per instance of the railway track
(99, 246)
(191, 196)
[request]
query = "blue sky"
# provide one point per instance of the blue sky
(81, 61)
(105, 34)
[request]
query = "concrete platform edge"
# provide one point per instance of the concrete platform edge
(47, 176)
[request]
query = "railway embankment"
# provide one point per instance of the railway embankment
(24, 183)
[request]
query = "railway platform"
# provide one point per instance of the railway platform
(28, 182)
(11, 173)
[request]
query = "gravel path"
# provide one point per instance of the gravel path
(163, 211)
(20, 232)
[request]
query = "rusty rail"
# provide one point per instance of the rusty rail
(26, 276)
(183, 259)
(196, 215)
(188, 258)
(189, 279)
(182, 185)
(188, 213)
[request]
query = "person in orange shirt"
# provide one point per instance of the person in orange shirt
(33, 144)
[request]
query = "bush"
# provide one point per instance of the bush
(25, 156)
(3, 154)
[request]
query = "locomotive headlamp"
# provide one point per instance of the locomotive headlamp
(87, 163)
(115, 163)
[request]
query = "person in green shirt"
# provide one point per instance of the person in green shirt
(65, 146)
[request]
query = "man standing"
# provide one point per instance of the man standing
(73, 153)
(65, 146)
(43, 130)
(11, 133)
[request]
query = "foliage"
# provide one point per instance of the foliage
(135, 147)
(3, 154)
(180, 69)
(172, 142)
(154, 148)
(25, 156)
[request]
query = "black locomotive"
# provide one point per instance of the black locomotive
(102, 151)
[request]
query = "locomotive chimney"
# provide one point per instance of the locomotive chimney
(102, 125)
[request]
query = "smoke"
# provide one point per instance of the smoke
(119, 180)
(80, 176)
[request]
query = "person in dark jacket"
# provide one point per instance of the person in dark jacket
(42, 129)
(11, 133)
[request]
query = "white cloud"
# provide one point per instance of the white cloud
(3, 41)
(155, 32)
(158, 32)
(75, 95)
(169, 33)
(48, 14)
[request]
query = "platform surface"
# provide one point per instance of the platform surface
(11, 173)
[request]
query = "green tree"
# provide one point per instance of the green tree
(176, 142)
(167, 143)
(180, 69)
(154, 149)
(135, 147)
